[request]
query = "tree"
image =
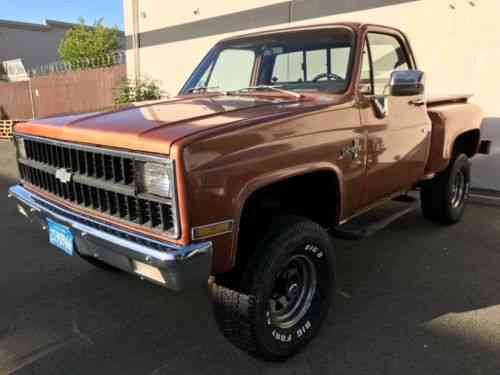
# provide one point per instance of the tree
(85, 46)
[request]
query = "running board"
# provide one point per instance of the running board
(354, 230)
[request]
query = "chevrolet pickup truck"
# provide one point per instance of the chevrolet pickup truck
(276, 140)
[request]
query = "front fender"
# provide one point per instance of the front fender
(223, 170)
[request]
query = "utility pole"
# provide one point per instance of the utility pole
(30, 89)
(136, 45)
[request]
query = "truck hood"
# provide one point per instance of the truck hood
(153, 128)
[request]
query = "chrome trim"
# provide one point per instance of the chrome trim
(26, 197)
(210, 225)
(135, 156)
(175, 204)
(185, 265)
(98, 149)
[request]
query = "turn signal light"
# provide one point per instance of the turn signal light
(212, 230)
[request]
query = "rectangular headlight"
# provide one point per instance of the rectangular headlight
(21, 148)
(156, 178)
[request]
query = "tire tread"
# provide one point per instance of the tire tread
(235, 311)
(434, 194)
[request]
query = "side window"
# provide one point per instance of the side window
(233, 70)
(289, 67)
(387, 55)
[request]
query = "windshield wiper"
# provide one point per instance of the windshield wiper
(268, 87)
(202, 89)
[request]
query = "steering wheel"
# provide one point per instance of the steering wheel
(328, 76)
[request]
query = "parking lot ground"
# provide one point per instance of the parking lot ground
(417, 298)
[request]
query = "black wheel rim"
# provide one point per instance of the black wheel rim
(293, 291)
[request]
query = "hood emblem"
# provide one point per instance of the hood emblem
(64, 175)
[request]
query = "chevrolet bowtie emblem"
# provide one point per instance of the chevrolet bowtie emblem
(64, 175)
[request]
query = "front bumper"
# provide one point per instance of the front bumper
(171, 266)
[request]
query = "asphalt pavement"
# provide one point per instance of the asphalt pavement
(416, 298)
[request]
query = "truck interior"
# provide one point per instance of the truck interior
(299, 61)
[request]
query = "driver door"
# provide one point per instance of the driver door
(398, 128)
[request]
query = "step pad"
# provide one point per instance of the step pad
(375, 220)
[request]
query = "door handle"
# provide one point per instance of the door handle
(417, 102)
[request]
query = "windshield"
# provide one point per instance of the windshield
(312, 60)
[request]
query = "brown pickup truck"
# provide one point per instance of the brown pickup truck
(276, 141)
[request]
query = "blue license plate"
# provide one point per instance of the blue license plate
(61, 237)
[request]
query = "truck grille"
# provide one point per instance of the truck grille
(101, 182)
(116, 169)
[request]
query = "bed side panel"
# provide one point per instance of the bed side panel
(448, 122)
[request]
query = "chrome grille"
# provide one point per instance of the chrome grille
(101, 182)
(117, 169)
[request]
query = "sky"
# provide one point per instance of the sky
(37, 11)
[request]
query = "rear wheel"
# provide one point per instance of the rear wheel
(285, 292)
(444, 198)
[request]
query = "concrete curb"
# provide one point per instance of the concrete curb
(489, 198)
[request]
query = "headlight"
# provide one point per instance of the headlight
(21, 148)
(156, 178)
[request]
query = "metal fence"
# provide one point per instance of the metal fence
(105, 61)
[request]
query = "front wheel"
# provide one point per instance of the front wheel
(444, 197)
(288, 286)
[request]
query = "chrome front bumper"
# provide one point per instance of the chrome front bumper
(171, 266)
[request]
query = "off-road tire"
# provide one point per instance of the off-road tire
(244, 315)
(438, 195)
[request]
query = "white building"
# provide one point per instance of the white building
(457, 42)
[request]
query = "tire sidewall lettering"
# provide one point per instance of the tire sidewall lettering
(300, 330)
(316, 252)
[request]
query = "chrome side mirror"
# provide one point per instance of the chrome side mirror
(407, 83)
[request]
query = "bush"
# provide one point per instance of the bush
(129, 91)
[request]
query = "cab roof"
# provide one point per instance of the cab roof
(350, 25)
(355, 26)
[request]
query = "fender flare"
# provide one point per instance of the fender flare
(268, 179)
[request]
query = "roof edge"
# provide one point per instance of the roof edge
(47, 26)
(294, 28)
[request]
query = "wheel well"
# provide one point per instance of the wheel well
(313, 195)
(467, 143)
